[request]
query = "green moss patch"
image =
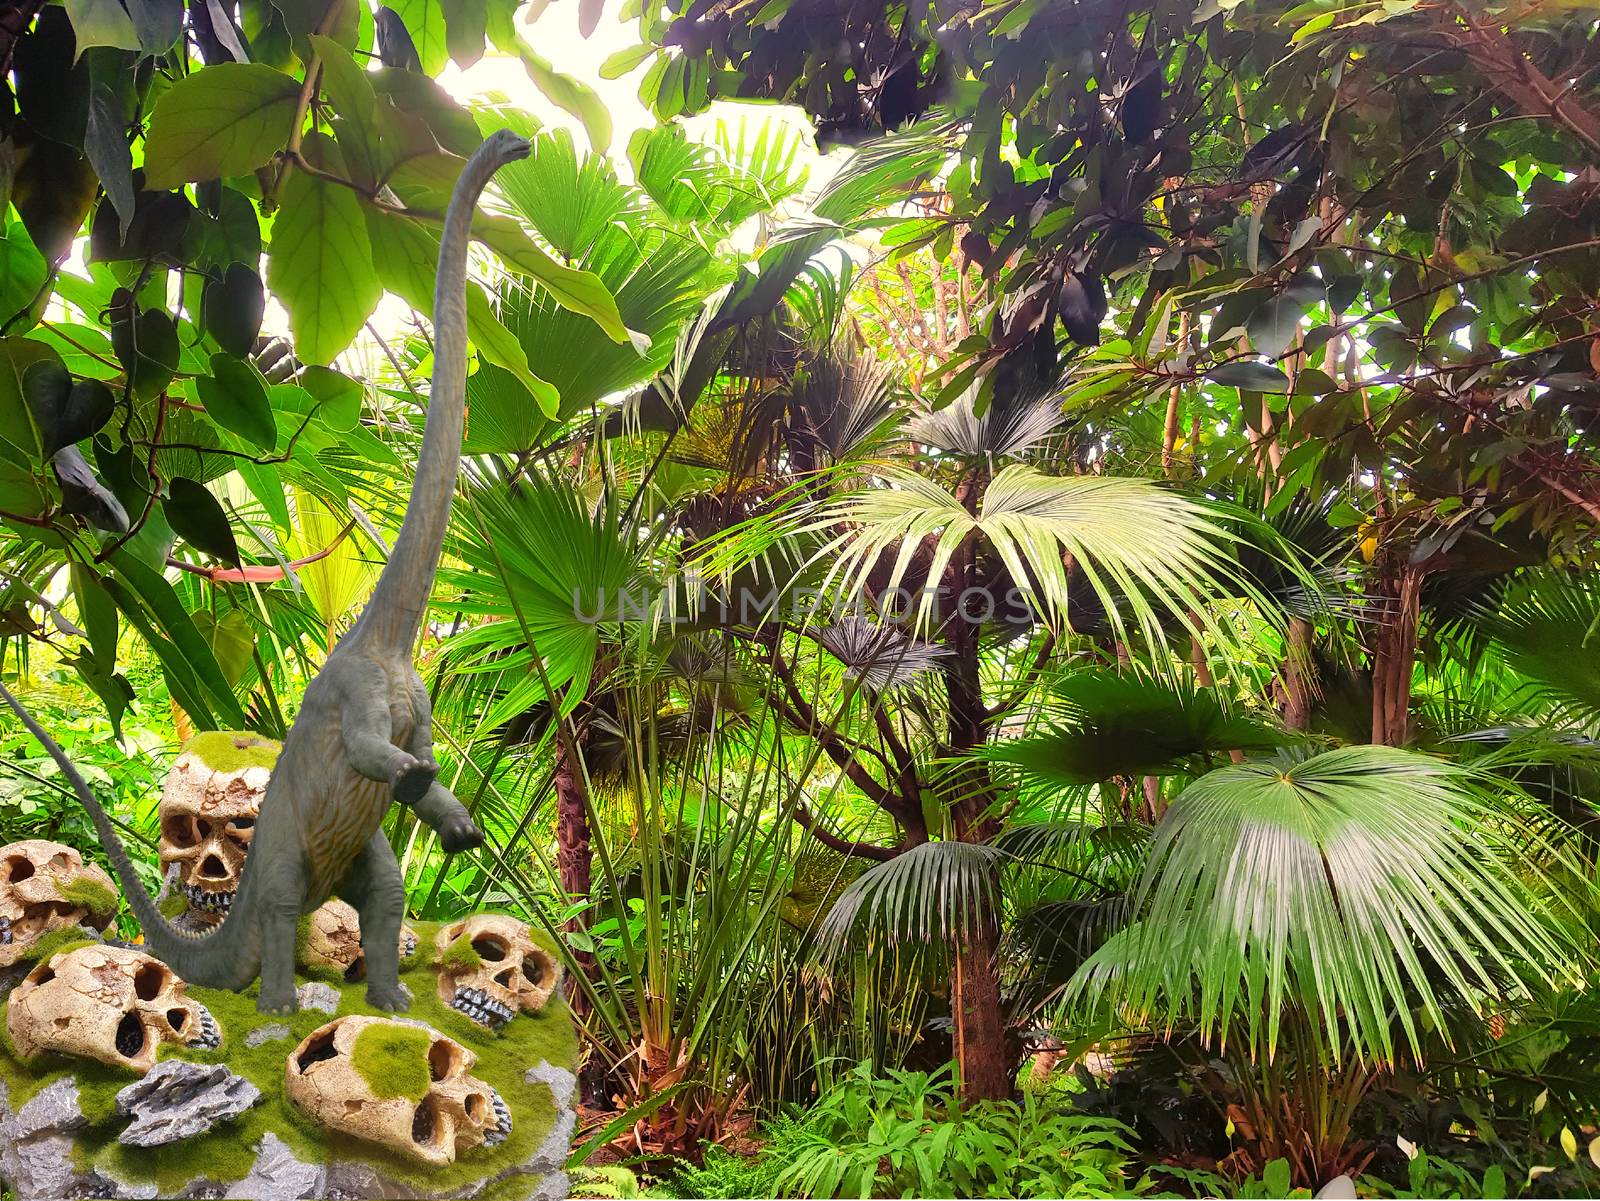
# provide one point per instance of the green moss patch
(227, 750)
(64, 938)
(225, 1154)
(174, 905)
(461, 955)
(91, 895)
(393, 1060)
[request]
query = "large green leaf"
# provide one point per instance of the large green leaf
(1370, 885)
(226, 119)
(424, 21)
(406, 254)
(320, 266)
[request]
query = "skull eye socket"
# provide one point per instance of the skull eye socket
(179, 829)
(17, 870)
(532, 970)
(425, 1127)
(318, 1049)
(240, 830)
(149, 981)
(443, 1061)
(131, 1036)
(489, 947)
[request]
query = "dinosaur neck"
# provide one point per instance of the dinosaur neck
(394, 613)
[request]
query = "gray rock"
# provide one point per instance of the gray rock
(562, 1083)
(317, 995)
(36, 1143)
(271, 1032)
(278, 1176)
(178, 1100)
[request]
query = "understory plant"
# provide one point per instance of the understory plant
(908, 1134)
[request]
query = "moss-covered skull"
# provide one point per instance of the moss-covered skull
(490, 967)
(333, 941)
(107, 1003)
(46, 886)
(208, 809)
(396, 1083)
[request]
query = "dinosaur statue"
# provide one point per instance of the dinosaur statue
(365, 728)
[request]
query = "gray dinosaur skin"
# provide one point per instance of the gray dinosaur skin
(364, 732)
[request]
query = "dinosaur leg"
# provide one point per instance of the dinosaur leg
(378, 892)
(367, 728)
(278, 920)
(438, 807)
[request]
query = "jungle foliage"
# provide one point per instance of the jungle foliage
(1089, 582)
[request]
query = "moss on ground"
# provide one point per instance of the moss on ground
(225, 1153)
(225, 750)
(89, 894)
(393, 1060)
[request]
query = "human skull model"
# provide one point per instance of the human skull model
(490, 967)
(208, 810)
(45, 886)
(107, 1003)
(333, 941)
(327, 1078)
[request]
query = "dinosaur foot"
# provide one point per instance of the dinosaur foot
(394, 998)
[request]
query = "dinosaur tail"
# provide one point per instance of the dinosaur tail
(215, 960)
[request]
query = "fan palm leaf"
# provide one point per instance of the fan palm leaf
(1547, 629)
(1158, 552)
(1371, 886)
(937, 892)
(541, 573)
(1103, 725)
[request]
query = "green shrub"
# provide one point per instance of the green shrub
(907, 1134)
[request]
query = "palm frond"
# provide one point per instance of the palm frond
(1547, 628)
(1102, 725)
(1369, 885)
(935, 892)
(1159, 553)
(1016, 421)
(881, 656)
(541, 574)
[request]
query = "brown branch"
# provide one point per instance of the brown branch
(798, 712)
(845, 846)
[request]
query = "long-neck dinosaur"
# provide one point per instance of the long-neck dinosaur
(364, 732)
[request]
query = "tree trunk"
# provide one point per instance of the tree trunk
(975, 1006)
(575, 863)
(1400, 590)
(1297, 675)
(980, 1035)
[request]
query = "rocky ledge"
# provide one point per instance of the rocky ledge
(211, 1120)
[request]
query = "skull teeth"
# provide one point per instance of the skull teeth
(502, 1120)
(409, 948)
(5, 931)
(214, 902)
(210, 1036)
(481, 1007)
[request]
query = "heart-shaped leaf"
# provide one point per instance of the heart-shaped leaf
(198, 519)
(235, 396)
(234, 306)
